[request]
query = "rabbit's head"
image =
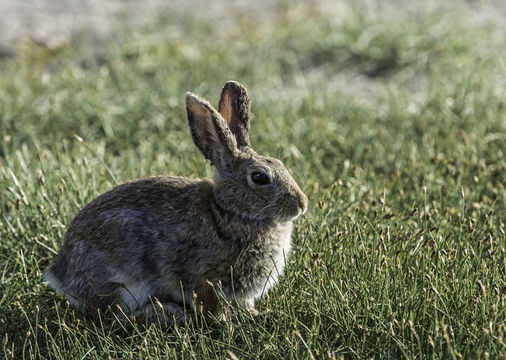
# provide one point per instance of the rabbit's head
(253, 186)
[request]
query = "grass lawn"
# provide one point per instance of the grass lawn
(392, 122)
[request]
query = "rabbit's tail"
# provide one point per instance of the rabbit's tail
(55, 277)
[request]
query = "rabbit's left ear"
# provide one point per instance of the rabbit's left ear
(210, 132)
(234, 106)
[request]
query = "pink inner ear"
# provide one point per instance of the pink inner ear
(198, 109)
(226, 107)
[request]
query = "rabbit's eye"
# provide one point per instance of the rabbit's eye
(260, 178)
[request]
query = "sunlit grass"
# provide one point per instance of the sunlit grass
(393, 124)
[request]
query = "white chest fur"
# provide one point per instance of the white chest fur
(281, 250)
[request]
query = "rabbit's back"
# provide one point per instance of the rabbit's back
(139, 238)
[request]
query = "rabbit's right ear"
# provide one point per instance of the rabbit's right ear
(235, 108)
(210, 131)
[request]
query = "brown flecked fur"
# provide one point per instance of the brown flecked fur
(170, 240)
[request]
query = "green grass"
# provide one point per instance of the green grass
(394, 124)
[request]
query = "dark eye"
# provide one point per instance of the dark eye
(260, 178)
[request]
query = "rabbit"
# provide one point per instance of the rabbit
(151, 246)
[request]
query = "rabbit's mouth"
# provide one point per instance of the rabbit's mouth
(291, 207)
(283, 216)
(299, 213)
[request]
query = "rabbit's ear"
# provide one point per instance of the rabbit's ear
(235, 108)
(209, 131)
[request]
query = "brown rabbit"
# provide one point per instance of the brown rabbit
(165, 240)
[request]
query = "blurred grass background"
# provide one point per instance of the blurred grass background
(391, 117)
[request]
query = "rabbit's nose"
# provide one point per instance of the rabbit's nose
(303, 203)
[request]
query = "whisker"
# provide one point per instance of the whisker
(265, 207)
